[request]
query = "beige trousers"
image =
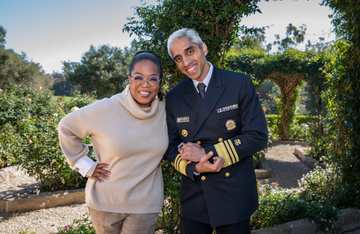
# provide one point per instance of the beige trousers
(120, 223)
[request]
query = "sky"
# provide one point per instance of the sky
(50, 32)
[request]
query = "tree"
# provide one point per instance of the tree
(298, 36)
(15, 67)
(216, 21)
(344, 98)
(2, 36)
(104, 70)
(62, 85)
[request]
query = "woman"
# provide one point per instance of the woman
(124, 192)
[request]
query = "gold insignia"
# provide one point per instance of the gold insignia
(199, 142)
(203, 178)
(182, 119)
(230, 124)
(220, 139)
(237, 142)
(227, 174)
(184, 133)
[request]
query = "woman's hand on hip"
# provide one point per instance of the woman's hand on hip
(100, 173)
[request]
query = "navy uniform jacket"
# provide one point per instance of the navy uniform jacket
(231, 123)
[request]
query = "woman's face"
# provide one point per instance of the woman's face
(144, 94)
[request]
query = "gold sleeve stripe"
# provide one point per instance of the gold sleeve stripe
(221, 151)
(230, 151)
(180, 165)
(234, 151)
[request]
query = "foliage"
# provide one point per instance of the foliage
(324, 186)
(269, 93)
(277, 206)
(301, 129)
(287, 70)
(216, 21)
(62, 85)
(28, 136)
(298, 36)
(2, 36)
(343, 140)
(15, 67)
(104, 70)
(79, 226)
(169, 218)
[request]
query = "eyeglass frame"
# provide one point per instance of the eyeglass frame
(147, 80)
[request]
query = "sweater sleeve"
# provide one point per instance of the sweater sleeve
(72, 130)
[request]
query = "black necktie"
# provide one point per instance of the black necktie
(201, 88)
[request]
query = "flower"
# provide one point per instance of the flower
(30, 141)
(74, 108)
(264, 109)
(47, 116)
(55, 115)
(66, 227)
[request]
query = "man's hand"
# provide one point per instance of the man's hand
(191, 152)
(100, 173)
(205, 166)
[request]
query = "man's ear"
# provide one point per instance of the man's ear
(204, 48)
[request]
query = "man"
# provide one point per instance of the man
(216, 129)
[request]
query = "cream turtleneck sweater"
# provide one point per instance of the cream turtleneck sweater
(132, 140)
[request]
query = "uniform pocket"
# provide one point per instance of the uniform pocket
(228, 114)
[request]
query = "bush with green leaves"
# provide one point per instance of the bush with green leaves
(325, 186)
(277, 206)
(79, 226)
(29, 137)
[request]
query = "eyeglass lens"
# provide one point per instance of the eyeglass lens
(152, 80)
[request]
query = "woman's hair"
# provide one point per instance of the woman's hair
(151, 56)
(188, 33)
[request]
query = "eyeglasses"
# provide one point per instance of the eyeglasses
(140, 80)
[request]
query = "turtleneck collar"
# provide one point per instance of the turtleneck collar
(127, 101)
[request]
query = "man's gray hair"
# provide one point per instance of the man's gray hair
(189, 33)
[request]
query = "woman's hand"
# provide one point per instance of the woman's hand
(100, 173)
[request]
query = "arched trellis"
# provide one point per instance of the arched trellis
(289, 85)
(287, 70)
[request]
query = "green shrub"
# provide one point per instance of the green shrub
(326, 186)
(79, 226)
(28, 135)
(277, 206)
(300, 130)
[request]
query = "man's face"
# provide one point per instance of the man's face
(190, 59)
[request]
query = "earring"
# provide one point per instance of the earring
(127, 89)
(156, 97)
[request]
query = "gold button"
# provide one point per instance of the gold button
(199, 142)
(220, 139)
(227, 174)
(203, 177)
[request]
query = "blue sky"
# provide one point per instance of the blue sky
(50, 32)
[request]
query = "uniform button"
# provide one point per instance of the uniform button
(199, 142)
(227, 174)
(203, 178)
(220, 139)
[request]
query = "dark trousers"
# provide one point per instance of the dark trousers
(189, 226)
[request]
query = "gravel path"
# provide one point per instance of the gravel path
(286, 168)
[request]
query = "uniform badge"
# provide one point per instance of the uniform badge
(237, 142)
(230, 124)
(182, 119)
(184, 133)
